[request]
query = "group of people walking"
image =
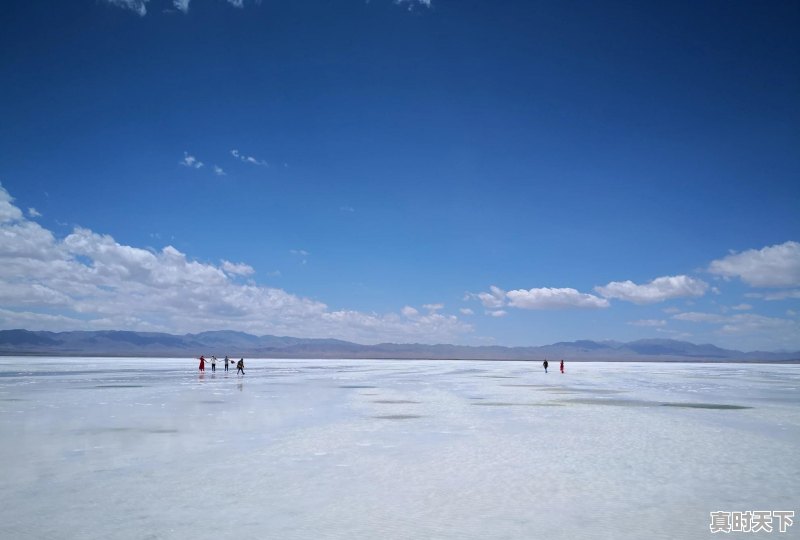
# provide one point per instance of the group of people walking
(239, 364)
(546, 364)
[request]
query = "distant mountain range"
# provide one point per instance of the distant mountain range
(239, 344)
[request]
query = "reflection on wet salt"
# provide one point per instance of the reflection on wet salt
(643, 403)
(719, 406)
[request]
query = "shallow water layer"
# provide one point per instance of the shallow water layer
(335, 449)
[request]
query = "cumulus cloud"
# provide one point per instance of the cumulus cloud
(466, 311)
(34, 213)
(552, 298)
(772, 266)
(248, 159)
(409, 311)
(433, 307)
(190, 161)
(495, 298)
(219, 171)
(539, 298)
(88, 280)
(658, 290)
(8, 212)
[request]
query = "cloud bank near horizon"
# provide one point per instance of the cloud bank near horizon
(89, 281)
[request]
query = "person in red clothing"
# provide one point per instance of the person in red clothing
(202, 364)
(562, 366)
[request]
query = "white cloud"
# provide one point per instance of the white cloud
(219, 171)
(772, 266)
(649, 323)
(552, 298)
(776, 295)
(750, 330)
(693, 316)
(413, 3)
(466, 311)
(8, 212)
(750, 323)
(541, 298)
(88, 280)
(495, 298)
(190, 161)
(139, 6)
(249, 159)
(433, 307)
(34, 213)
(409, 311)
(742, 307)
(497, 313)
(237, 269)
(658, 290)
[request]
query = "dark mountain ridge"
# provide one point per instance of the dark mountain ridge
(220, 343)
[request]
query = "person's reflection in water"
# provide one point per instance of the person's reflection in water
(240, 386)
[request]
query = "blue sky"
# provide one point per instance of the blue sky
(514, 173)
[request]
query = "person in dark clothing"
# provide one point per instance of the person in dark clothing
(202, 364)
(226, 362)
(562, 366)
(240, 366)
(545, 364)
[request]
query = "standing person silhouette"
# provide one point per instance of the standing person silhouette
(202, 364)
(545, 364)
(213, 363)
(226, 362)
(562, 366)
(240, 366)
